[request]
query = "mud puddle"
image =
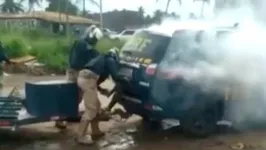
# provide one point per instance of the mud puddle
(139, 138)
(134, 137)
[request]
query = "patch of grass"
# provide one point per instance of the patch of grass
(51, 49)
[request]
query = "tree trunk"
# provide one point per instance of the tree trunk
(84, 8)
(30, 8)
(167, 6)
(202, 9)
(59, 12)
(67, 19)
(101, 15)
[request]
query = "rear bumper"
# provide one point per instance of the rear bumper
(142, 107)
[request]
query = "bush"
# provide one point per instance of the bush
(48, 48)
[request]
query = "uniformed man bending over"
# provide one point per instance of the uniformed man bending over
(3, 58)
(93, 74)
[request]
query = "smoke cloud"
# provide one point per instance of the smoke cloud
(233, 62)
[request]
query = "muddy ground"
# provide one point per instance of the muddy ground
(121, 134)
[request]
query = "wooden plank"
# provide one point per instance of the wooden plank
(22, 60)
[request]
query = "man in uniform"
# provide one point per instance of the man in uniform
(3, 58)
(90, 77)
(82, 51)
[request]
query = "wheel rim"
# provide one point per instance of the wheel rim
(200, 125)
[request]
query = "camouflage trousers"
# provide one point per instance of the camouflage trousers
(87, 82)
(71, 75)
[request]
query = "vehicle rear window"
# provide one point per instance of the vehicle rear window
(128, 32)
(185, 46)
(147, 44)
(189, 46)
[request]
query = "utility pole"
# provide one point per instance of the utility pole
(101, 15)
(84, 8)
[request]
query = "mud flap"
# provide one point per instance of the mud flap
(169, 123)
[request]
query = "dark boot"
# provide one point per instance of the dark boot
(61, 124)
(104, 116)
(83, 138)
(96, 133)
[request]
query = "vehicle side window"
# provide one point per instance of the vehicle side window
(185, 47)
(161, 49)
(128, 32)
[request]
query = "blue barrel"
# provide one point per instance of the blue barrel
(52, 98)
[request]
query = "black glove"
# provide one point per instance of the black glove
(104, 92)
(127, 79)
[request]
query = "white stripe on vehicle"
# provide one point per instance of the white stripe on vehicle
(132, 99)
(144, 83)
(132, 64)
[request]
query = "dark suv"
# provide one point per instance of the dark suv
(153, 88)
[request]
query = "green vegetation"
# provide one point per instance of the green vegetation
(50, 49)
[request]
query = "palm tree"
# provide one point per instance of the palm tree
(31, 3)
(218, 4)
(67, 18)
(202, 6)
(83, 5)
(141, 11)
(100, 6)
(10, 6)
(168, 4)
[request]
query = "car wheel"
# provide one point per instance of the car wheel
(150, 124)
(200, 125)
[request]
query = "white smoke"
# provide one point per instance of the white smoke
(237, 62)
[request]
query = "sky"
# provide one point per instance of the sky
(149, 6)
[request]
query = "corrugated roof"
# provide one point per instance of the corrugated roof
(50, 16)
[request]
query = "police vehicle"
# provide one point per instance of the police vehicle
(157, 92)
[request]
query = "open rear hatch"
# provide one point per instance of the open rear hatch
(143, 50)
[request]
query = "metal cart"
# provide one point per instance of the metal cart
(14, 113)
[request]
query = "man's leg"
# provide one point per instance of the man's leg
(95, 130)
(71, 75)
(87, 82)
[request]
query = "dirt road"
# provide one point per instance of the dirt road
(121, 134)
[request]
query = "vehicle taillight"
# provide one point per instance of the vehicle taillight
(150, 70)
(171, 74)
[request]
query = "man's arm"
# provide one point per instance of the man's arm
(3, 56)
(113, 67)
(77, 53)
(101, 80)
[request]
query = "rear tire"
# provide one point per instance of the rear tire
(204, 123)
(201, 125)
(150, 124)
